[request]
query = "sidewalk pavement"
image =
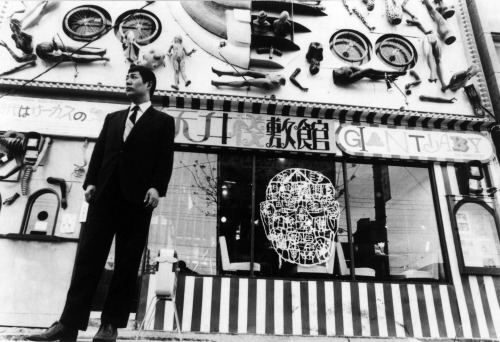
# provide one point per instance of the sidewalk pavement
(17, 334)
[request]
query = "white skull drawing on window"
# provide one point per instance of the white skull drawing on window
(300, 216)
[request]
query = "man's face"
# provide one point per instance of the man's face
(135, 87)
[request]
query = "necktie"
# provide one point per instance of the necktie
(130, 122)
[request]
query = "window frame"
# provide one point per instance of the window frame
(344, 160)
(454, 204)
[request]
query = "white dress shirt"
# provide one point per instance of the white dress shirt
(142, 109)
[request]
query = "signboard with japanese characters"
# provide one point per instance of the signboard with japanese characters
(193, 127)
(254, 131)
(406, 143)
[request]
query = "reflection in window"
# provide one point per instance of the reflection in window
(478, 235)
(185, 220)
(394, 224)
(41, 213)
(235, 211)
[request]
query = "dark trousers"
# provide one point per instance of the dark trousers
(110, 216)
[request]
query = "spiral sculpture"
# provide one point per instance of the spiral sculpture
(25, 179)
(11, 199)
(11, 146)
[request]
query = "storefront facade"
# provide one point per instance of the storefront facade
(341, 210)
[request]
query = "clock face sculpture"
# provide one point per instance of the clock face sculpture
(300, 216)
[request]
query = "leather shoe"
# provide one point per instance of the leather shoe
(56, 332)
(107, 333)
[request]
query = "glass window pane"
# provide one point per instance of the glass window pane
(235, 212)
(478, 236)
(186, 219)
(395, 232)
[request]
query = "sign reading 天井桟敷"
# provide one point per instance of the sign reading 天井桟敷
(404, 143)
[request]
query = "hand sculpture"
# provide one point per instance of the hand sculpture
(259, 79)
(350, 74)
(52, 52)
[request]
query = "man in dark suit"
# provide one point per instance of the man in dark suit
(129, 170)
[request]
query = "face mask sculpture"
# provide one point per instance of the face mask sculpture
(300, 216)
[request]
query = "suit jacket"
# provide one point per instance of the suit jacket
(142, 162)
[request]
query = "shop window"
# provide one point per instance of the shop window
(393, 219)
(41, 213)
(248, 214)
(186, 219)
(298, 208)
(475, 224)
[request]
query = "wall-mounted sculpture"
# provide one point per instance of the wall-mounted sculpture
(62, 184)
(437, 99)
(295, 82)
(394, 12)
(370, 4)
(130, 47)
(414, 83)
(431, 47)
(363, 20)
(53, 52)
(300, 216)
(263, 80)
(445, 10)
(152, 58)
(350, 74)
(24, 41)
(34, 11)
(442, 27)
(282, 27)
(261, 25)
(314, 55)
(28, 171)
(459, 79)
(11, 199)
(178, 53)
(18, 68)
(19, 59)
(12, 147)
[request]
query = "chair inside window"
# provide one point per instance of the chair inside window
(228, 266)
(328, 266)
(358, 271)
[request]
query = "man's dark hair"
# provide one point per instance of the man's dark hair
(147, 76)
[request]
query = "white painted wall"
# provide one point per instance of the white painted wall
(321, 88)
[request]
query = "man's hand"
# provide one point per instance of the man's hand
(89, 193)
(152, 198)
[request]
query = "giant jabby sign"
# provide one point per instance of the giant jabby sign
(406, 143)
